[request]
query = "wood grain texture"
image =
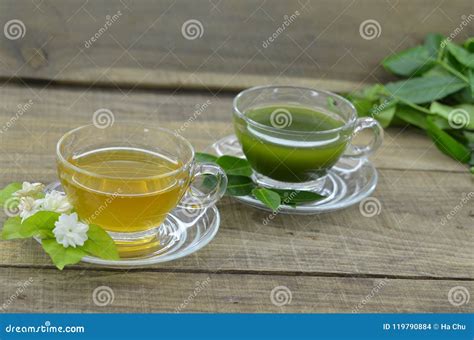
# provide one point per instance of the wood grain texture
(145, 46)
(148, 292)
(404, 259)
(54, 111)
(407, 239)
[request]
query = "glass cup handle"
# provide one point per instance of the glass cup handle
(365, 150)
(194, 199)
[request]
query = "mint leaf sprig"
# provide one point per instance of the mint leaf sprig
(437, 94)
(240, 183)
(41, 222)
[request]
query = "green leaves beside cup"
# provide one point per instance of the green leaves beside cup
(437, 96)
(51, 218)
(240, 183)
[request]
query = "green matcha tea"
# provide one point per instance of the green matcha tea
(284, 144)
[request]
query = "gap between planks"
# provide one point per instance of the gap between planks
(250, 272)
(208, 82)
(187, 90)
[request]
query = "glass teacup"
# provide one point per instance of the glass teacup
(128, 177)
(292, 136)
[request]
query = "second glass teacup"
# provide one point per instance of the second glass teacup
(128, 177)
(292, 136)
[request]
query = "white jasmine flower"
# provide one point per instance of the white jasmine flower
(28, 206)
(69, 231)
(55, 201)
(29, 189)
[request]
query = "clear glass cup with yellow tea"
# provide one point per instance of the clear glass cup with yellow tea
(127, 178)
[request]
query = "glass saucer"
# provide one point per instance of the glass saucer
(348, 182)
(183, 232)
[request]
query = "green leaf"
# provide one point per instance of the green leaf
(469, 108)
(452, 62)
(268, 197)
(436, 71)
(11, 228)
(40, 224)
(425, 89)
(469, 44)
(463, 96)
(234, 165)
(465, 112)
(433, 43)
(209, 182)
(440, 122)
(411, 116)
(60, 255)
(295, 197)
(363, 106)
(202, 157)
(410, 62)
(368, 98)
(463, 56)
(470, 138)
(8, 191)
(447, 144)
(385, 116)
(44, 222)
(100, 244)
(470, 75)
(14, 229)
(459, 136)
(371, 93)
(239, 185)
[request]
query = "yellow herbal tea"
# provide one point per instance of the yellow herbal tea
(123, 189)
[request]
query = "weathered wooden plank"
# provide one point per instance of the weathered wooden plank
(203, 118)
(142, 43)
(408, 238)
(27, 290)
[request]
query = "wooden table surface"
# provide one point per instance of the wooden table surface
(405, 259)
